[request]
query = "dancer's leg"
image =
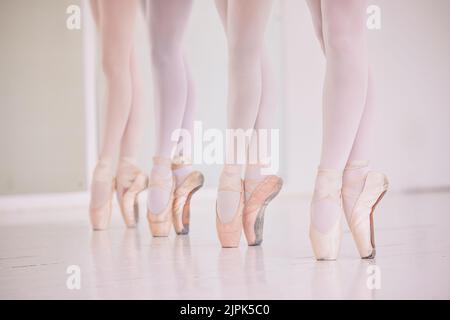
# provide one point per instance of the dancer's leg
(245, 23)
(127, 169)
(264, 121)
(345, 92)
(346, 78)
(132, 136)
(189, 112)
(184, 151)
(95, 10)
(117, 27)
(358, 162)
(315, 9)
(115, 20)
(167, 23)
(361, 145)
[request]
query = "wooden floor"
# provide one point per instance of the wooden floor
(38, 246)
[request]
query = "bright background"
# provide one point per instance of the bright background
(51, 94)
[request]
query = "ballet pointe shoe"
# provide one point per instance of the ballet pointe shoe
(182, 199)
(261, 192)
(100, 216)
(229, 233)
(326, 245)
(161, 223)
(130, 183)
(360, 220)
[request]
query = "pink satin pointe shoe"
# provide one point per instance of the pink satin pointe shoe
(259, 194)
(360, 219)
(130, 182)
(100, 214)
(160, 223)
(230, 232)
(182, 198)
(326, 244)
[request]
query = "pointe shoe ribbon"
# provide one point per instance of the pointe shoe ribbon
(330, 186)
(180, 161)
(250, 185)
(228, 184)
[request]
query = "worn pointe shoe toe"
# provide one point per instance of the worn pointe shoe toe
(182, 199)
(360, 219)
(260, 193)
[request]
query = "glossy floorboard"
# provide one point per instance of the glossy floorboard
(37, 246)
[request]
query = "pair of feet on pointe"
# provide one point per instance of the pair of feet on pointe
(170, 189)
(127, 184)
(241, 204)
(355, 193)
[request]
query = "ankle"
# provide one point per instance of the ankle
(329, 178)
(103, 170)
(230, 179)
(161, 171)
(231, 172)
(126, 166)
(232, 169)
(126, 162)
(355, 174)
(181, 168)
(254, 172)
(181, 173)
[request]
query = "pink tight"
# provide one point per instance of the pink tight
(115, 20)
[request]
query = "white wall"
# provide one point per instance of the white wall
(41, 99)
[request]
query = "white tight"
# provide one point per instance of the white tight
(174, 89)
(348, 98)
(348, 95)
(250, 95)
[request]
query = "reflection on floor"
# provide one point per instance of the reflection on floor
(37, 247)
